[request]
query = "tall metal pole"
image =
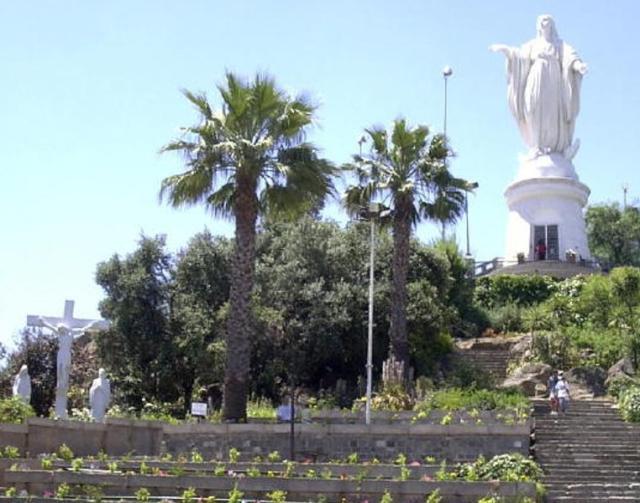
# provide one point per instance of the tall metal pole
(466, 214)
(367, 410)
(446, 73)
(625, 189)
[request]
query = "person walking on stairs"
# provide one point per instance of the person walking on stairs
(553, 396)
(562, 393)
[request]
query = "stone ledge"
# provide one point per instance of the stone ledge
(296, 488)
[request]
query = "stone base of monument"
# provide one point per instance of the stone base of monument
(546, 197)
(554, 268)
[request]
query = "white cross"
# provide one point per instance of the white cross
(67, 319)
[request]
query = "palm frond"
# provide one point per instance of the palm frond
(200, 102)
(222, 200)
(187, 188)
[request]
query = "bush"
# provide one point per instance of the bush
(14, 410)
(620, 384)
(596, 301)
(458, 399)
(511, 467)
(602, 347)
(504, 467)
(629, 403)
(507, 318)
(554, 348)
(464, 374)
(494, 291)
(393, 398)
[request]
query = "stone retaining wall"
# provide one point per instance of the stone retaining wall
(326, 442)
(320, 442)
(35, 482)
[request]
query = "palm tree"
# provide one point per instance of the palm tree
(406, 169)
(448, 204)
(244, 161)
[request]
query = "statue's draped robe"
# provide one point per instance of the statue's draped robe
(544, 94)
(63, 362)
(99, 397)
(22, 386)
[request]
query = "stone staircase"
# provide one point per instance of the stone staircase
(490, 355)
(590, 454)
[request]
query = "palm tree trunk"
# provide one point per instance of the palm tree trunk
(239, 325)
(398, 339)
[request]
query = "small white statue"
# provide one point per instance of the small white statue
(100, 396)
(22, 385)
(544, 77)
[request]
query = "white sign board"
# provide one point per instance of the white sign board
(199, 409)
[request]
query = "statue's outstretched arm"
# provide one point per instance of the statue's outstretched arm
(504, 49)
(77, 332)
(48, 325)
(580, 67)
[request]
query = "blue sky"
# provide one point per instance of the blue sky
(90, 92)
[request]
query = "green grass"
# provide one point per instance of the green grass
(261, 408)
(458, 399)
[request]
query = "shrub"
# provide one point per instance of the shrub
(393, 398)
(142, 494)
(93, 493)
(77, 464)
(503, 467)
(14, 410)
(458, 399)
(511, 467)
(596, 300)
(620, 384)
(274, 457)
(464, 374)
(493, 291)
(63, 491)
(554, 348)
(277, 496)
(235, 495)
(261, 408)
(507, 318)
(604, 346)
(434, 497)
(64, 452)
(629, 403)
(189, 495)
(234, 455)
(10, 452)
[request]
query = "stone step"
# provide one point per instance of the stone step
(567, 478)
(588, 454)
(588, 460)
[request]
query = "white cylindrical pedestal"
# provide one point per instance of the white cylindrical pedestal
(546, 193)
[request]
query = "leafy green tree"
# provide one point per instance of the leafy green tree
(407, 169)
(199, 292)
(137, 348)
(625, 285)
(313, 298)
(36, 350)
(614, 234)
(165, 340)
(247, 160)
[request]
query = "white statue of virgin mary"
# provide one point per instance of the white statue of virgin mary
(544, 77)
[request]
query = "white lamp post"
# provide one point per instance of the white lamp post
(375, 211)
